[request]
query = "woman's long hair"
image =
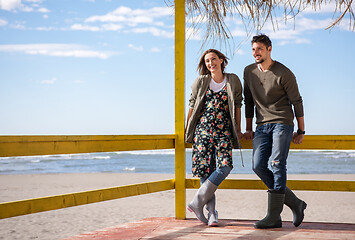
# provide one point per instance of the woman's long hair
(202, 69)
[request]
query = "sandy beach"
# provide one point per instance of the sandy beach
(231, 204)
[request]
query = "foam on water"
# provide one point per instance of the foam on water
(162, 161)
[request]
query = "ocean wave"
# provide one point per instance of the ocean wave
(129, 169)
(324, 151)
(147, 152)
(101, 157)
(162, 161)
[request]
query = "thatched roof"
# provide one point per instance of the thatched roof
(209, 15)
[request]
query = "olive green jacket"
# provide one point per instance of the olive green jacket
(196, 102)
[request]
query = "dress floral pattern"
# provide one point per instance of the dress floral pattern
(212, 142)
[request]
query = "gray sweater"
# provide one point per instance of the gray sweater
(272, 93)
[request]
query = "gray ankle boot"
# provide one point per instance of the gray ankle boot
(273, 217)
(202, 196)
(297, 206)
(212, 213)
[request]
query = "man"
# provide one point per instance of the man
(271, 89)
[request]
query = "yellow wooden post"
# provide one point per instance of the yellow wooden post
(180, 175)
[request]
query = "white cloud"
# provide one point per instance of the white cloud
(287, 33)
(56, 50)
(49, 81)
(10, 5)
(3, 22)
(127, 20)
(43, 10)
(111, 27)
(239, 52)
(18, 26)
(154, 31)
(294, 31)
(155, 49)
(133, 16)
(45, 28)
(34, 1)
(24, 6)
(130, 21)
(104, 27)
(140, 48)
(193, 33)
(197, 19)
(329, 7)
(84, 27)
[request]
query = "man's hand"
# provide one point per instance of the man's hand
(248, 135)
(297, 139)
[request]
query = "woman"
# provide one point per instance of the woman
(213, 128)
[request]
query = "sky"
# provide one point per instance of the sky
(100, 67)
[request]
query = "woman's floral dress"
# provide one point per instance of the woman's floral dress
(212, 142)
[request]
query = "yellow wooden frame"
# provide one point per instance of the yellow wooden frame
(304, 185)
(23, 207)
(35, 145)
(11, 146)
(180, 170)
(42, 145)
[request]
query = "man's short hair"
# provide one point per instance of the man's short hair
(262, 38)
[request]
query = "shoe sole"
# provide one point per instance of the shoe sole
(304, 206)
(213, 225)
(191, 210)
(267, 227)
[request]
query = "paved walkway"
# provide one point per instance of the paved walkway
(170, 228)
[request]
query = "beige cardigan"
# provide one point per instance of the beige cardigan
(199, 88)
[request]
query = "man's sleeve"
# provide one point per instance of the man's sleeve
(248, 99)
(293, 94)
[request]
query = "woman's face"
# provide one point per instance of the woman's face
(213, 62)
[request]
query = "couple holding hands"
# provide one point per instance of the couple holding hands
(213, 128)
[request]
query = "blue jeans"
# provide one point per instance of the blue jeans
(217, 176)
(272, 142)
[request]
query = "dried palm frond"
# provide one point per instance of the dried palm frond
(209, 16)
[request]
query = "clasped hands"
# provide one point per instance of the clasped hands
(249, 135)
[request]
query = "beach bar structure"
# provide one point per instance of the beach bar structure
(46, 145)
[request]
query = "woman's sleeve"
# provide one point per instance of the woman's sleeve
(194, 90)
(238, 97)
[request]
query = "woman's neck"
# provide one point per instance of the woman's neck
(217, 77)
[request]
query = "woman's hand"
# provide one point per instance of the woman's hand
(240, 135)
(248, 135)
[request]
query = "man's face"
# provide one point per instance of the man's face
(260, 52)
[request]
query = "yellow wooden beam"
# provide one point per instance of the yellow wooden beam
(23, 207)
(43, 145)
(318, 142)
(327, 142)
(180, 172)
(307, 185)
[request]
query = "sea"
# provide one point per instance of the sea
(163, 161)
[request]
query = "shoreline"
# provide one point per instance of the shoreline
(231, 204)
